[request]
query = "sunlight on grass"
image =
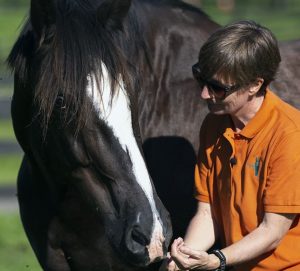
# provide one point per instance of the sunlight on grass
(6, 131)
(6, 90)
(11, 20)
(15, 251)
(9, 167)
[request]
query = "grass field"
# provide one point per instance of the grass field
(6, 131)
(9, 167)
(9, 163)
(6, 90)
(15, 252)
(10, 22)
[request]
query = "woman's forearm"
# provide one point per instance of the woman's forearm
(262, 240)
(201, 234)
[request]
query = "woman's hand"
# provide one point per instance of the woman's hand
(168, 264)
(186, 258)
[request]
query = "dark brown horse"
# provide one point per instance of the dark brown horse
(93, 80)
(287, 83)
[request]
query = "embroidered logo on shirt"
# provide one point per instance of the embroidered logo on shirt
(255, 166)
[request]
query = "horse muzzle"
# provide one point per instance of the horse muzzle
(142, 248)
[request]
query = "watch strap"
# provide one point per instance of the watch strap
(222, 259)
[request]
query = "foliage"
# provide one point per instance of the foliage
(15, 251)
(282, 17)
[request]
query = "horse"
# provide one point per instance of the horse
(86, 198)
(287, 82)
(95, 83)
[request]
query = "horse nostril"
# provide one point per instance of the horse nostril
(139, 237)
(135, 244)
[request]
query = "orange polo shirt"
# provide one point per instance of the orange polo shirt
(263, 177)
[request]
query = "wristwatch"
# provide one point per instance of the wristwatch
(222, 259)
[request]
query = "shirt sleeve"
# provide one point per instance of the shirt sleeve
(202, 168)
(282, 192)
(201, 189)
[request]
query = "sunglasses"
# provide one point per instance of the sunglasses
(215, 87)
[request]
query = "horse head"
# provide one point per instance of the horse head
(75, 115)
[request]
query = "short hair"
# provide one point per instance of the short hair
(242, 52)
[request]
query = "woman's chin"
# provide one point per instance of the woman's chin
(216, 109)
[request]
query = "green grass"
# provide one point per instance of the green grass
(10, 21)
(9, 163)
(6, 90)
(14, 3)
(15, 251)
(9, 167)
(6, 131)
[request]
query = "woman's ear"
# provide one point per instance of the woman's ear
(255, 86)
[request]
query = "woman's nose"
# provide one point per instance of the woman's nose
(205, 94)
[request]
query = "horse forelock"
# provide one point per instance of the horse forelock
(69, 51)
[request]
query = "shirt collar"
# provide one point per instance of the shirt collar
(261, 117)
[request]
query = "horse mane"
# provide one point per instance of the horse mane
(58, 63)
(178, 4)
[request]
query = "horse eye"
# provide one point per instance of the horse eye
(59, 103)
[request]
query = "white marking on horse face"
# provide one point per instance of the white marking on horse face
(117, 115)
(155, 248)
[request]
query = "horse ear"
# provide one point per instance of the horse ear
(42, 15)
(111, 13)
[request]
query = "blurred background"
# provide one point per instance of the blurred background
(281, 16)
